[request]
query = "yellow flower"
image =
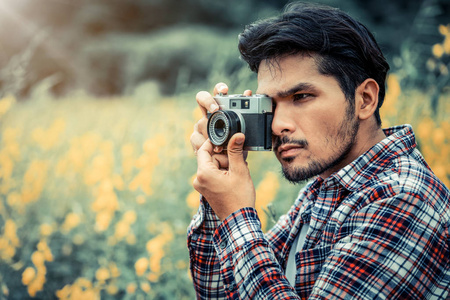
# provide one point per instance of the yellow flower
(83, 282)
(438, 136)
(43, 247)
(140, 199)
(112, 289)
(28, 275)
(130, 216)
(114, 270)
(102, 220)
(38, 258)
(145, 286)
(438, 50)
(102, 274)
(444, 30)
(122, 229)
(265, 193)
(446, 45)
(131, 288)
(11, 232)
(131, 239)
(46, 229)
(425, 128)
(6, 103)
(71, 221)
(193, 199)
(141, 266)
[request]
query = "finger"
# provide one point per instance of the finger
(221, 161)
(204, 154)
(201, 127)
(206, 102)
(220, 88)
(236, 153)
(247, 93)
(197, 141)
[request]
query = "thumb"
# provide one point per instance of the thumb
(236, 152)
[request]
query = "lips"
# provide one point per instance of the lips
(289, 150)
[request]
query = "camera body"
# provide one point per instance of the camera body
(251, 115)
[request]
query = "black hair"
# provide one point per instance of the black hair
(343, 47)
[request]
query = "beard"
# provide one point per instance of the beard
(343, 142)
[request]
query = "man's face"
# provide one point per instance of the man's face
(314, 128)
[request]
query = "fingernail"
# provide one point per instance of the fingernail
(221, 88)
(239, 141)
(213, 107)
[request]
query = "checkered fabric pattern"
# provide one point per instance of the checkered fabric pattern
(378, 229)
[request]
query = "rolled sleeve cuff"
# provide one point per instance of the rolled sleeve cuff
(239, 228)
(205, 220)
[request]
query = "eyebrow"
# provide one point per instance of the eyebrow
(302, 86)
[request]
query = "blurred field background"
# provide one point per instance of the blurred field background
(96, 109)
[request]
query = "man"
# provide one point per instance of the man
(373, 222)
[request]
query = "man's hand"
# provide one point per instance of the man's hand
(225, 190)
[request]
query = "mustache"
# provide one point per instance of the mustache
(280, 141)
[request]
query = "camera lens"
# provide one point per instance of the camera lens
(219, 128)
(223, 124)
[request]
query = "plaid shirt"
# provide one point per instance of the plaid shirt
(379, 228)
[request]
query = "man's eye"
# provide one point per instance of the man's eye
(302, 96)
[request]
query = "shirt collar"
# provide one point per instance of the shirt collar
(399, 140)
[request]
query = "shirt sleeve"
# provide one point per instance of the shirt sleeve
(204, 263)
(249, 267)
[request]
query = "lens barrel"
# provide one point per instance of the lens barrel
(223, 124)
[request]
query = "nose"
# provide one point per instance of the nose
(283, 120)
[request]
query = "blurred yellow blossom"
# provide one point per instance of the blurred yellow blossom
(9, 241)
(130, 216)
(146, 164)
(43, 247)
(34, 181)
(145, 286)
(155, 248)
(131, 288)
(438, 50)
(102, 274)
(141, 266)
(113, 269)
(47, 138)
(81, 289)
(38, 258)
(140, 199)
(6, 103)
(193, 199)
(46, 229)
(122, 230)
(71, 221)
(265, 193)
(112, 289)
(28, 275)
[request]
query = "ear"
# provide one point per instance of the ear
(366, 98)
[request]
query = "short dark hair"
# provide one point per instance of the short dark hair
(343, 47)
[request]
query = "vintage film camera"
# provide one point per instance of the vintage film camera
(251, 115)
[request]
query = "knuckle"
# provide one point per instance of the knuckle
(201, 96)
(201, 179)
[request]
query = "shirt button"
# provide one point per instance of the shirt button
(231, 287)
(223, 245)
